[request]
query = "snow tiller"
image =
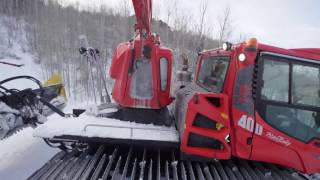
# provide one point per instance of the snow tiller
(29, 107)
(247, 103)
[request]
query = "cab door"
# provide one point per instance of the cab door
(205, 124)
(287, 121)
(243, 107)
(163, 74)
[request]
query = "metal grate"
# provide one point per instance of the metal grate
(126, 163)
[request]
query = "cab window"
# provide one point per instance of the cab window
(305, 85)
(289, 96)
(141, 78)
(213, 73)
(163, 73)
(275, 80)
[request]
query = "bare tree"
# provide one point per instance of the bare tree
(182, 21)
(124, 8)
(203, 10)
(156, 6)
(225, 25)
(202, 27)
(170, 7)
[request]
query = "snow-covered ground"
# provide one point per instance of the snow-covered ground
(20, 154)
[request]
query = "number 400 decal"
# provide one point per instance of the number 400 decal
(247, 123)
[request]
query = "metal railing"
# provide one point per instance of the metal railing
(126, 127)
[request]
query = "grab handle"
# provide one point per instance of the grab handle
(316, 143)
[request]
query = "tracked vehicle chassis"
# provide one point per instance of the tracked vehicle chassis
(126, 162)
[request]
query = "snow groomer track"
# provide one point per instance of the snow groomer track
(134, 163)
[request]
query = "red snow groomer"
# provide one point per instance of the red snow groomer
(250, 101)
(142, 69)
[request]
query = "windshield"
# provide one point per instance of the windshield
(213, 72)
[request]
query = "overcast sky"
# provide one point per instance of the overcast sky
(284, 23)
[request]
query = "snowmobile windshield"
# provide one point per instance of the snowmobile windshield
(213, 72)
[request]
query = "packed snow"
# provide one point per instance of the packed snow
(22, 154)
(90, 126)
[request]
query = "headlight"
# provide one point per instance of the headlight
(242, 57)
(226, 46)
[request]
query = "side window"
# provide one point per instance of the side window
(275, 80)
(298, 123)
(289, 97)
(305, 85)
(163, 73)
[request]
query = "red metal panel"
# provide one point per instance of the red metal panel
(217, 114)
(276, 147)
(311, 53)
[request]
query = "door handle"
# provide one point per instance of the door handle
(316, 143)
